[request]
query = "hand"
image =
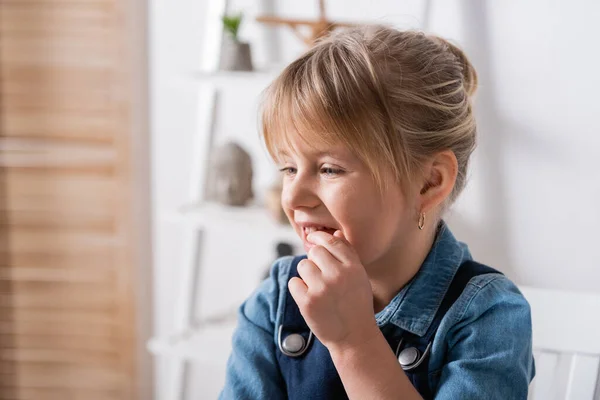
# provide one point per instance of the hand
(334, 294)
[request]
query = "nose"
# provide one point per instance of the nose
(298, 193)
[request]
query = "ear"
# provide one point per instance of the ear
(439, 176)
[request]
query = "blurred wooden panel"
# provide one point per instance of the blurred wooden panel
(50, 241)
(83, 357)
(59, 394)
(67, 327)
(30, 3)
(51, 375)
(67, 78)
(65, 342)
(48, 218)
(76, 260)
(83, 274)
(70, 394)
(70, 40)
(59, 125)
(60, 296)
(49, 185)
(69, 18)
(20, 98)
(56, 328)
(71, 52)
(58, 91)
(99, 323)
(56, 198)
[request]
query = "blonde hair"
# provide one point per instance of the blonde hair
(393, 97)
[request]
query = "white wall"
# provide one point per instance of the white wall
(531, 207)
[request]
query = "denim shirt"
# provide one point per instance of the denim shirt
(482, 348)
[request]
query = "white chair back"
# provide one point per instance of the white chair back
(566, 342)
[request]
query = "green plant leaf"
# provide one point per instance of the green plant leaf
(231, 24)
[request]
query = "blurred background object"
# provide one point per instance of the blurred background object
(230, 176)
(74, 201)
(318, 28)
(235, 54)
(282, 249)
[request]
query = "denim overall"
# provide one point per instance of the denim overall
(312, 375)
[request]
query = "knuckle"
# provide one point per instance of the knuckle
(320, 293)
(316, 294)
(334, 241)
(336, 277)
(310, 302)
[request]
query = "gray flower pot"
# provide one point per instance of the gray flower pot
(235, 55)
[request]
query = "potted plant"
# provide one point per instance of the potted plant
(235, 55)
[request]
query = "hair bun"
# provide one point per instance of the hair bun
(470, 80)
(469, 73)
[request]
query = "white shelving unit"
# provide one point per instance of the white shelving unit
(226, 79)
(209, 344)
(203, 345)
(207, 341)
(216, 216)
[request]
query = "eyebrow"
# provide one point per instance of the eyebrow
(321, 153)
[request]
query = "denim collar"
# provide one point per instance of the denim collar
(414, 307)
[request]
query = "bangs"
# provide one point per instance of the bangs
(325, 104)
(292, 116)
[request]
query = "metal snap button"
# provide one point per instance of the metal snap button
(408, 356)
(293, 343)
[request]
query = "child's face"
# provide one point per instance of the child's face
(329, 188)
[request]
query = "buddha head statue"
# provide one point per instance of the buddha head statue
(230, 175)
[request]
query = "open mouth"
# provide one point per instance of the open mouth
(306, 230)
(312, 229)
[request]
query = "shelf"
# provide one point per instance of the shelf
(222, 79)
(210, 345)
(217, 216)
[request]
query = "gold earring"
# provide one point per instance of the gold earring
(421, 221)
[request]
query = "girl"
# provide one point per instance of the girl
(373, 129)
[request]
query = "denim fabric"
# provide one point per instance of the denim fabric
(482, 348)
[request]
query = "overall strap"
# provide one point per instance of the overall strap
(291, 313)
(292, 321)
(466, 271)
(305, 364)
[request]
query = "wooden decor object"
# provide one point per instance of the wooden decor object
(318, 28)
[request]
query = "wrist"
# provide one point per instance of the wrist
(358, 346)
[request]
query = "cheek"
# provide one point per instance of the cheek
(361, 219)
(373, 225)
(373, 233)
